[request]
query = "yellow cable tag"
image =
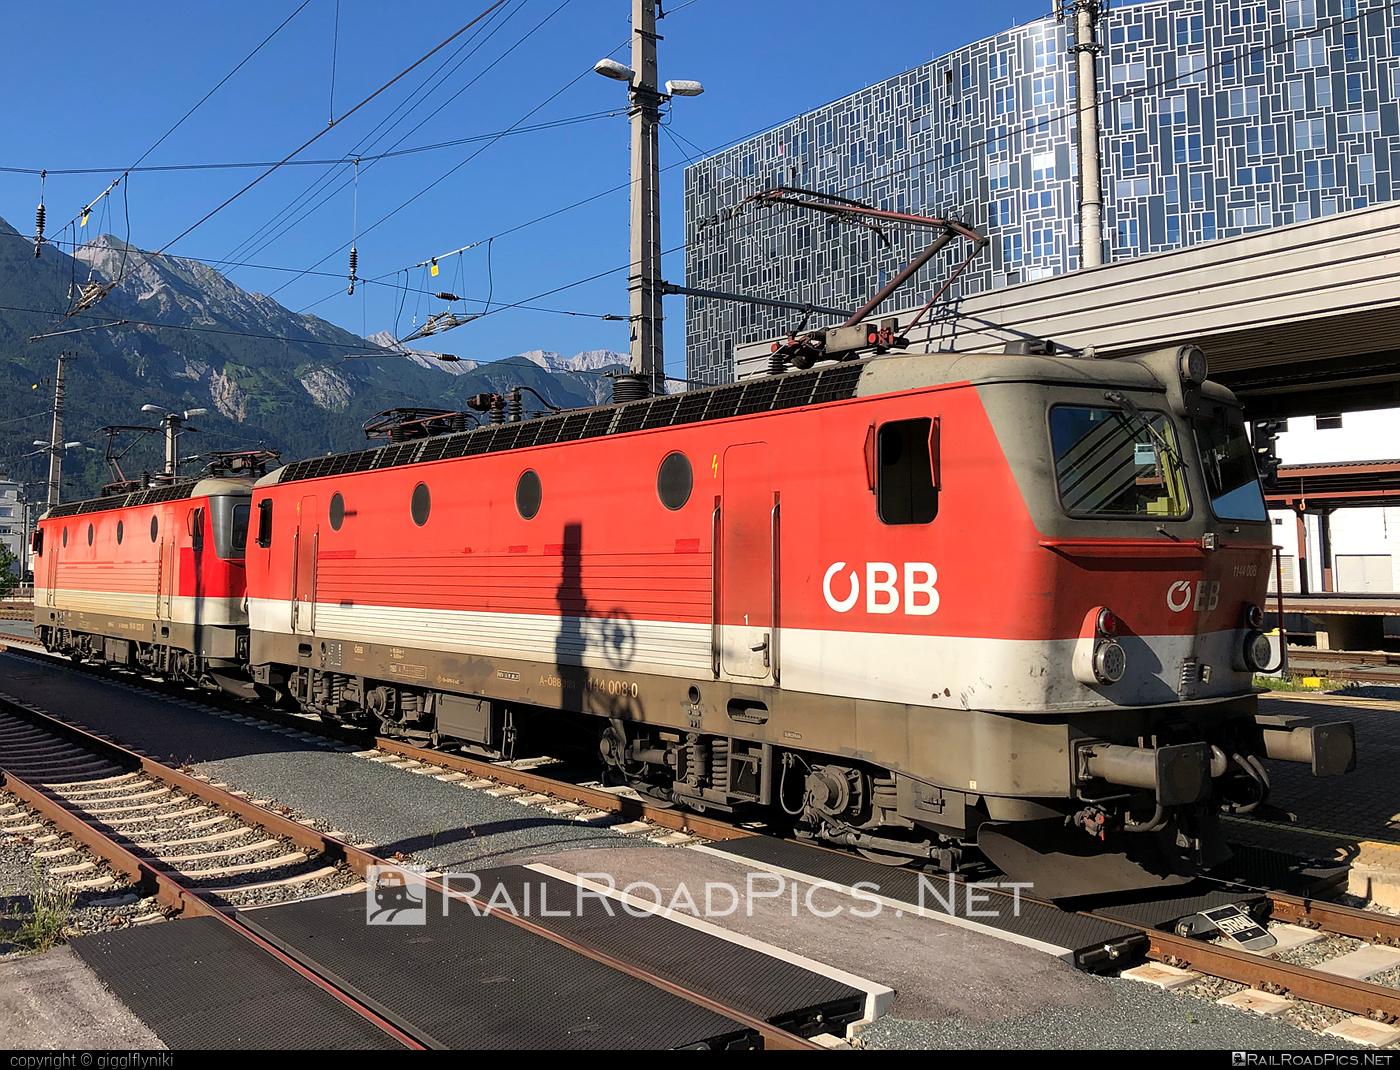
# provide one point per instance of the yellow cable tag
(434, 268)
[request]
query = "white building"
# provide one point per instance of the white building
(1365, 543)
(13, 529)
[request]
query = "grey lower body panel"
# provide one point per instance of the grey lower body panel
(1005, 755)
(206, 640)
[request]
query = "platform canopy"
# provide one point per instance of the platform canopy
(1317, 488)
(1297, 320)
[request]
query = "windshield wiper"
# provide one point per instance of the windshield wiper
(1157, 437)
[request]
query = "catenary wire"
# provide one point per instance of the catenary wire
(429, 84)
(491, 141)
(111, 285)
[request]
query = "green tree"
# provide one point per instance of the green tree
(9, 572)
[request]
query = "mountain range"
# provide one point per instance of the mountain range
(193, 339)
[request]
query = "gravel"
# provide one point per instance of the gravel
(1130, 1016)
(1329, 947)
(422, 819)
(1384, 691)
(436, 823)
(22, 875)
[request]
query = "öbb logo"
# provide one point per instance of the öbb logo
(882, 592)
(1207, 595)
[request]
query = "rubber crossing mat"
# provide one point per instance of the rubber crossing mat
(1074, 936)
(1162, 912)
(198, 985)
(747, 979)
(463, 981)
(1261, 867)
(1236, 882)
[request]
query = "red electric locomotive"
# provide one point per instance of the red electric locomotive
(917, 602)
(151, 578)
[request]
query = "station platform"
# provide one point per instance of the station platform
(1352, 819)
(1340, 604)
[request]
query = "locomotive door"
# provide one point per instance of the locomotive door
(304, 544)
(747, 575)
(165, 567)
(51, 549)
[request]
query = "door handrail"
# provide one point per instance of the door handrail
(296, 572)
(774, 523)
(315, 564)
(714, 594)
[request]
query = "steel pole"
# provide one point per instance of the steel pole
(644, 273)
(23, 501)
(172, 449)
(1086, 46)
(56, 437)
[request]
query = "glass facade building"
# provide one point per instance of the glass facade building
(1218, 117)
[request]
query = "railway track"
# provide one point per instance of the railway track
(1217, 959)
(1313, 983)
(192, 848)
(587, 797)
(1362, 666)
(205, 846)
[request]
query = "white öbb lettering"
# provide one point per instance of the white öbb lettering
(1202, 595)
(882, 591)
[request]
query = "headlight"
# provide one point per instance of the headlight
(1192, 364)
(1254, 616)
(1110, 662)
(1258, 651)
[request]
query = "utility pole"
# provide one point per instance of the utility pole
(172, 445)
(644, 286)
(644, 274)
(22, 498)
(1087, 48)
(56, 446)
(174, 424)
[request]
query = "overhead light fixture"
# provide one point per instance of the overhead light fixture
(682, 88)
(610, 68)
(195, 412)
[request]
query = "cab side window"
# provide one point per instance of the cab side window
(265, 523)
(906, 491)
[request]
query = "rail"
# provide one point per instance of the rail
(180, 899)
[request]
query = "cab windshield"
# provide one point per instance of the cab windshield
(1227, 460)
(1113, 463)
(229, 516)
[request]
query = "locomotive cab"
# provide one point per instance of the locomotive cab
(1159, 549)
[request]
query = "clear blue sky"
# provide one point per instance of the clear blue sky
(95, 84)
